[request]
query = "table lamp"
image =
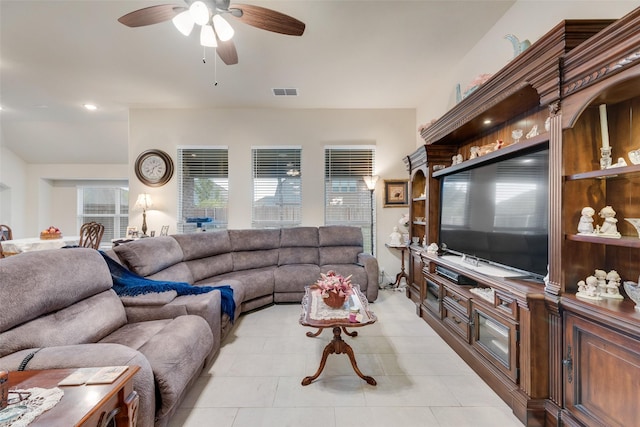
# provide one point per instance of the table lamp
(144, 202)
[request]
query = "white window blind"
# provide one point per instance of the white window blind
(277, 195)
(203, 188)
(347, 198)
(108, 206)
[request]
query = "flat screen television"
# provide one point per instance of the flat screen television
(497, 213)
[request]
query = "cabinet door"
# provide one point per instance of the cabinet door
(601, 374)
(496, 338)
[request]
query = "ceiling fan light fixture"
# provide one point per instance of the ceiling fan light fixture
(184, 22)
(223, 28)
(208, 37)
(199, 12)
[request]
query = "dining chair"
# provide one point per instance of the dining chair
(5, 234)
(91, 235)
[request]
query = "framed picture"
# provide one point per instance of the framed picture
(396, 193)
(132, 232)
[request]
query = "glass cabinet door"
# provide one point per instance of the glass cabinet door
(496, 338)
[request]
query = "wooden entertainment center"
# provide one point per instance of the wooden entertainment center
(556, 359)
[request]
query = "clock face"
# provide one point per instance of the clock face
(154, 168)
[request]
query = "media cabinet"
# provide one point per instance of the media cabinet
(554, 358)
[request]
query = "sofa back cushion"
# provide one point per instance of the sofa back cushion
(148, 256)
(85, 321)
(201, 245)
(254, 248)
(339, 244)
(299, 245)
(38, 283)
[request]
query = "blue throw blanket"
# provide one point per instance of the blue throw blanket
(127, 283)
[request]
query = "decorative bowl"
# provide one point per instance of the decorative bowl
(634, 156)
(334, 300)
(633, 291)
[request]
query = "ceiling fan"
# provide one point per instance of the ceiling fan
(215, 31)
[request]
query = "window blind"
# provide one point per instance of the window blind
(108, 206)
(203, 188)
(347, 198)
(277, 185)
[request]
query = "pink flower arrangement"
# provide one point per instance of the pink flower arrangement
(332, 282)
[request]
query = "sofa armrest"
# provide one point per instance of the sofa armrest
(370, 264)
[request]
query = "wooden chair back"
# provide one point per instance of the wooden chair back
(5, 232)
(91, 235)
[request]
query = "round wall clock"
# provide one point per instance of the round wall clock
(154, 168)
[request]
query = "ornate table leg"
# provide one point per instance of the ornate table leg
(312, 334)
(351, 334)
(338, 346)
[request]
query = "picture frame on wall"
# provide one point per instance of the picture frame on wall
(396, 193)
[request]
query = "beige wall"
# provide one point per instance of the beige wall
(13, 178)
(391, 131)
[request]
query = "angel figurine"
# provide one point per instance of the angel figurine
(585, 226)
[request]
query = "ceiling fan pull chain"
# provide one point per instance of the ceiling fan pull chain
(204, 55)
(215, 66)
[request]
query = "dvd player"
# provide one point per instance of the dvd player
(455, 277)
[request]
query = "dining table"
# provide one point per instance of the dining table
(30, 244)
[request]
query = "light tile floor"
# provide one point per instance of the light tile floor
(255, 379)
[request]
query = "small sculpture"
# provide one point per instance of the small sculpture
(432, 248)
(457, 159)
(474, 152)
(621, 162)
(601, 277)
(585, 226)
(518, 46)
(613, 283)
(395, 238)
(547, 124)
(609, 227)
(516, 135)
(588, 289)
(533, 132)
(424, 241)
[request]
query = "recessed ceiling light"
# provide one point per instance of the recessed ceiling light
(487, 121)
(90, 107)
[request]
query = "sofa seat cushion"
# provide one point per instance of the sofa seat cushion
(148, 256)
(294, 278)
(86, 321)
(256, 282)
(176, 350)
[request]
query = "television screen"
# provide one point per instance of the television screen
(498, 212)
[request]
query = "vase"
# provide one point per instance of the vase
(334, 300)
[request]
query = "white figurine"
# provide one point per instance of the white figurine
(601, 277)
(432, 248)
(588, 288)
(474, 152)
(459, 159)
(621, 162)
(608, 227)
(395, 238)
(516, 135)
(613, 283)
(585, 226)
(533, 132)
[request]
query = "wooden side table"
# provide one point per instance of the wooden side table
(83, 405)
(399, 276)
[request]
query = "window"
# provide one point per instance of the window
(203, 188)
(347, 198)
(107, 205)
(277, 195)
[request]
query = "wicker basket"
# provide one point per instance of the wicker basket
(50, 236)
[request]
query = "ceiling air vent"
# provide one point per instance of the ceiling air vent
(285, 92)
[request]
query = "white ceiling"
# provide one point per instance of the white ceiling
(58, 55)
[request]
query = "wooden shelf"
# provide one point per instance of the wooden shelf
(624, 241)
(605, 173)
(512, 149)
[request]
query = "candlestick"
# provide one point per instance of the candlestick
(604, 128)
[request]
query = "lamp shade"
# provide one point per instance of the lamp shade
(184, 22)
(223, 28)
(143, 202)
(208, 37)
(370, 181)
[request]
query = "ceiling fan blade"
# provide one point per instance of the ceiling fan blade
(227, 52)
(268, 19)
(150, 15)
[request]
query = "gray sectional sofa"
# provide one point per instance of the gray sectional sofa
(61, 302)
